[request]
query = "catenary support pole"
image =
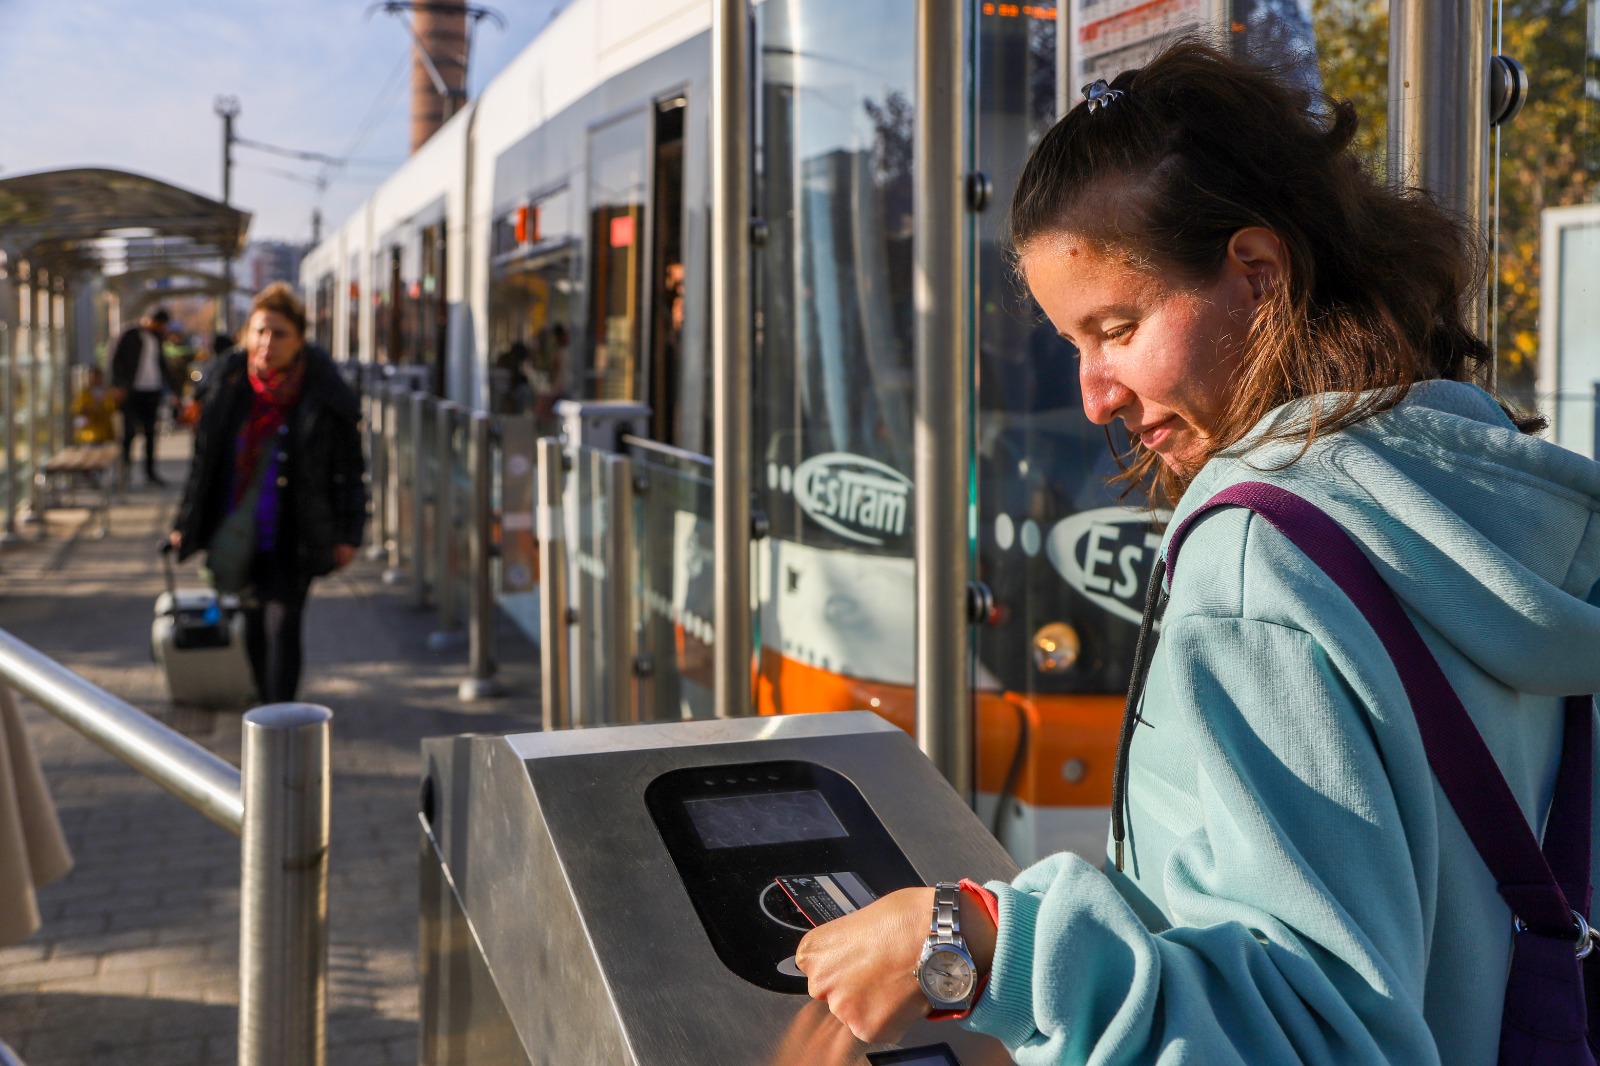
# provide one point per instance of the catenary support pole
(1439, 107)
(940, 298)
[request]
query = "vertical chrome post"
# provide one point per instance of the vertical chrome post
(378, 414)
(1439, 106)
(480, 632)
(419, 497)
(8, 426)
(283, 892)
(620, 633)
(730, 351)
(445, 417)
(944, 709)
(553, 633)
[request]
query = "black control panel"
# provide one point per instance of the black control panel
(759, 846)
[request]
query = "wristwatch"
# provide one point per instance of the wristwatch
(946, 971)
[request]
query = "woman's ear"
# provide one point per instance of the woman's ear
(1256, 257)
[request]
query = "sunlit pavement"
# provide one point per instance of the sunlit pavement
(137, 961)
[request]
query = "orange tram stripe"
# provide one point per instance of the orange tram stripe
(1060, 728)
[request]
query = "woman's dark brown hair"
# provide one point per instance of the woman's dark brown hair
(1375, 293)
(279, 297)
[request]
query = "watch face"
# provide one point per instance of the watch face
(947, 976)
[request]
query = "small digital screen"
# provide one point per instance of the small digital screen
(932, 1055)
(763, 818)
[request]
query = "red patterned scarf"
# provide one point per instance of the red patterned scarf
(276, 393)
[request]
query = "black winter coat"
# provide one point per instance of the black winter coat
(320, 461)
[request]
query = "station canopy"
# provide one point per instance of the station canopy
(69, 220)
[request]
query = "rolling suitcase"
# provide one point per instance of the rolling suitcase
(198, 638)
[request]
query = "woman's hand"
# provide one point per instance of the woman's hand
(861, 965)
(176, 540)
(342, 554)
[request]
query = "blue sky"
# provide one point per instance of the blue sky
(130, 84)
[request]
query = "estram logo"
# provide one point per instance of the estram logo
(1106, 554)
(858, 498)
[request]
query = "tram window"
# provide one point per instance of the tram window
(352, 341)
(322, 329)
(617, 185)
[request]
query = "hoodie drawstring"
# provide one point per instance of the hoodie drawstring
(1155, 602)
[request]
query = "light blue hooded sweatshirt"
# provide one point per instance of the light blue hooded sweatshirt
(1296, 886)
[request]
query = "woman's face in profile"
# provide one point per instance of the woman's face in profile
(1155, 352)
(272, 341)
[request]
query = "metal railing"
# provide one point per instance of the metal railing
(278, 804)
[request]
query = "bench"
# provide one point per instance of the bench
(89, 467)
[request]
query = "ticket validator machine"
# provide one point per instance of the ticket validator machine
(634, 894)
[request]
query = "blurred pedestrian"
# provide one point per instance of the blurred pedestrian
(94, 410)
(139, 374)
(274, 495)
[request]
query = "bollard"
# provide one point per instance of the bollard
(377, 399)
(419, 498)
(554, 710)
(480, 624)
(394, 427)
(620, 637)
(448, 635)
(283, 890)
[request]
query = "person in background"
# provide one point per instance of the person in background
(275, 493)
(1287, 878)
(139, 374)
(94, 410)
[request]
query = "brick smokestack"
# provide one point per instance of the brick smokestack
(441, 28)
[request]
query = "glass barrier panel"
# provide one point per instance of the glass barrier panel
(460, 576)
(675, 567)
(427, 567)
(1545, 224)
(513, 494)
(598, 682)
(834, 396)
(405, 447)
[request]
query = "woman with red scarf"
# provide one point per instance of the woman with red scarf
(275, 493)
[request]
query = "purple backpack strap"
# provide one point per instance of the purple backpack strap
(1548, 889)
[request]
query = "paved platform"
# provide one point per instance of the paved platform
(137, 961)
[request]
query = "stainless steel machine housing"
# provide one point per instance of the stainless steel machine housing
(556, 927)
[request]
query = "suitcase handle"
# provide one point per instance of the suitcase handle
(171, 571)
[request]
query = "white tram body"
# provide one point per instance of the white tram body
(553, 240)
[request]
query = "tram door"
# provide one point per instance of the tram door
(664, 369)
(618, 183)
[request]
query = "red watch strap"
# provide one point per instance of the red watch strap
(991, 903)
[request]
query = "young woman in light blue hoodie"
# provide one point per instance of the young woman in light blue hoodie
(1287, 881)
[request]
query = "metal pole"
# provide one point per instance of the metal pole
(170, 759)
(378, 468)
(730, 347)
(419, 499)
(395, 424)
(1439, 107)
(555, 712)
(480, 633)
(283, 886)
(944, 708)
(445, 417)
(9, 428)
(620, 634)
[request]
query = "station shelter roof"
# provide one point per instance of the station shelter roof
(61, 218)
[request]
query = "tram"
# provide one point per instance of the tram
(553, 241)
